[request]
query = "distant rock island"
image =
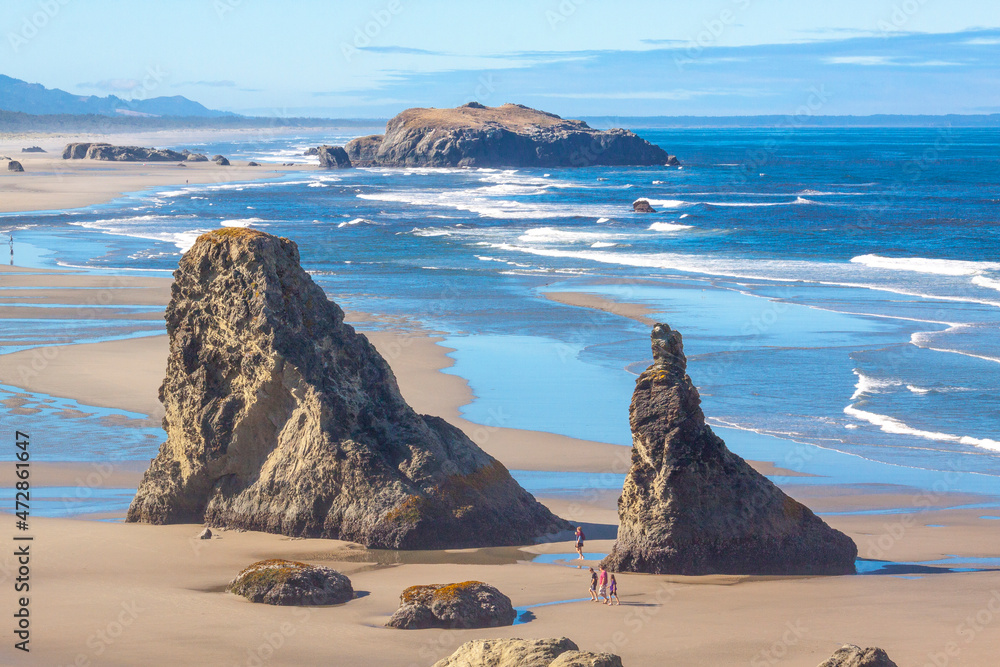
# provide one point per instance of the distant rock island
(102, 151)
(511, 135)
(281, 418)
(690, 506)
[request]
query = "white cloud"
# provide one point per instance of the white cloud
(651, 94)
(859, 60)
(983, 41)
(869, 61)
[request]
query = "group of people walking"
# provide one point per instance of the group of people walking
(603, 585)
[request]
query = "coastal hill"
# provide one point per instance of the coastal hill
(34, 98)
(281, 418)
(511, 135)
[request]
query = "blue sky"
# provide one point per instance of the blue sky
(573, 57)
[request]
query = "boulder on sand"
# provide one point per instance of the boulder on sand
(516, 652)
(221, 160)
(470, 604)
(690, 506)
(850, 655)
(196, 157)
(287, 582)
(281, 418)
(14, 165)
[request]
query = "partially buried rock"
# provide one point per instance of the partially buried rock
(850, 655)
(642, 206)
(205, 534)
(14, 165)
(470, 604)
(221, 160)
(288, 582)
(196, 157)
(281, 418)
(333, 157)
(253, 164)
(690, 506)
(517, 652)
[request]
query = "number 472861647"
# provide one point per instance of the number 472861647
(22, 471)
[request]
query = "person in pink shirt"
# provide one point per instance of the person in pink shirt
(602, 583)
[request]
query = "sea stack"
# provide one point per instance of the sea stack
(511, 135)
(281, 418)
(690, 506)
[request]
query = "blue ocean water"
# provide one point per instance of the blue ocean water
(837, 288)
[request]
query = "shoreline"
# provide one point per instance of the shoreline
(50, 183)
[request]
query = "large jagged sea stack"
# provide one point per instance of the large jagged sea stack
(281, 418)
(690, 506)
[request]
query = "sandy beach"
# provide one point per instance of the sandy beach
(50, 183)
(123, 594)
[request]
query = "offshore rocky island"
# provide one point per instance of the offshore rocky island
(511, 135)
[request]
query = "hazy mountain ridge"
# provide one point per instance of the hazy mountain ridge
(34, 98)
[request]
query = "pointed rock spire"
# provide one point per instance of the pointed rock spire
(691, 506)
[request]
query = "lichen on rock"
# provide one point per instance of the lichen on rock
(468, 604)
(286, 582)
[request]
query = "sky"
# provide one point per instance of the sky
(573, 57)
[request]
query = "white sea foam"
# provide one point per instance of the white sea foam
(602, 244)
(895, 426)
(430, 231)
(357, 221)
(870, 385)
(942, 267)
(983, 281)
(244, 222)
(553, 235)
(667, 227)
(664, 203)
(600, 220)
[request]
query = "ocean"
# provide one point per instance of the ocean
(838, 290)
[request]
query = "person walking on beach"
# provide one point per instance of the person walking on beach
(579, 544)
(593, 585)
(602, 583)
(613, 592)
